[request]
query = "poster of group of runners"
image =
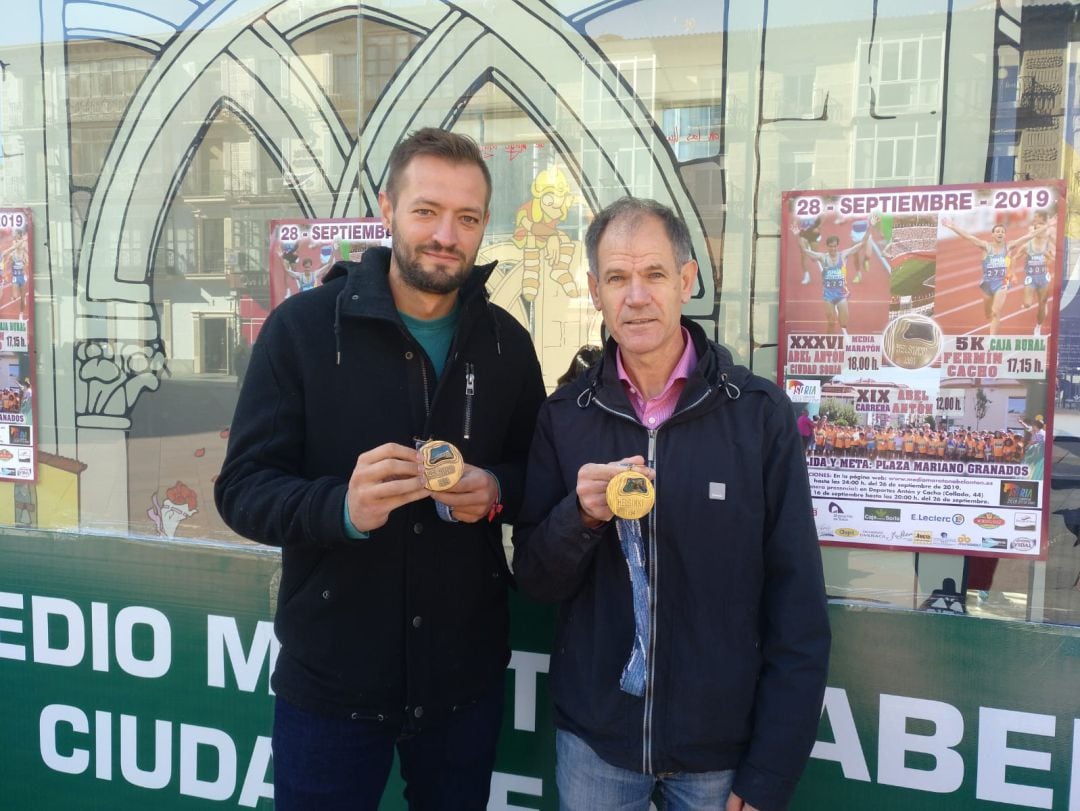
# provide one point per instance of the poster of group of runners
(918, 340)
(17, 440)
(301, 251)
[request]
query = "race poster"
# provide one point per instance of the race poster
(918, 331)
(301, 251)
(18, 442)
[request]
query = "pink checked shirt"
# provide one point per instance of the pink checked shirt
(654, 412)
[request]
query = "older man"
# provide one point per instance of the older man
(692, 642)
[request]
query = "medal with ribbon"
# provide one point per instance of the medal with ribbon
(630, 497)
(630, 494)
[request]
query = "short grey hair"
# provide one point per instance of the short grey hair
(633, 209)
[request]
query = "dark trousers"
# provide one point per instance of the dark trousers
(326, 764)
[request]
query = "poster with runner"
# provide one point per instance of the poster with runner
(18, 441)
(918, 332)
(301, 251)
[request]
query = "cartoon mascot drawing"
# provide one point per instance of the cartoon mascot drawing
(537, 234)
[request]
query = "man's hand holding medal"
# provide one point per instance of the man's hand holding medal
(385, 478)
(622, 489)
(470, 492)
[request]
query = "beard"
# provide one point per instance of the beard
(442, 279)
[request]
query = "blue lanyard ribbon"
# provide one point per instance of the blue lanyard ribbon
(633, 549)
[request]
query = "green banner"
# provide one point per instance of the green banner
(136, 674)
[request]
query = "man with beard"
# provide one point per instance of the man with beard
(392, 611)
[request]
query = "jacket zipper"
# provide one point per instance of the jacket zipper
(470, 390)
(423, 373)
(652, 563)
(427, 395)
(451, 356)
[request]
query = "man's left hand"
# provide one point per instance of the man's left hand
(472, 497)
(737, 803)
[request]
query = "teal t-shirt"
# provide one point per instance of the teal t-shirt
(435, 336)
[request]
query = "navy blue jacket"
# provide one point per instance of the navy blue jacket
(413, 620)
(740, 635)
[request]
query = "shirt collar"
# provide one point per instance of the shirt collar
(687, 361)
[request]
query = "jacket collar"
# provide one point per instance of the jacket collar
(366, 294)
(367, 285)
(715, 370)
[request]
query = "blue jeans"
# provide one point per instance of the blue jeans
(334, 763)
(588, 783)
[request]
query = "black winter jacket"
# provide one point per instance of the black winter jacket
(740, 636)
(413, 620)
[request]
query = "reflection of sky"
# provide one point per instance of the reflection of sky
(629, 19)
(19, 29)
(662, 18)
(654, 18)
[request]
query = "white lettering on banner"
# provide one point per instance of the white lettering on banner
(995, 755)
(41, 608)
(103, 745)
(255, 785)
(161, 658)
(223, 635)
(50, 718)
(206, 763)
(1074, 783)
(220, 787)
(526, 666)
(503, 784)
(201, 750)
(59, 635)
(99, 621)
(160, 773)
(846, 750)
(10, 650)
(894, 742)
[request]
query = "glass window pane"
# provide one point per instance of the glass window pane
(159, 257)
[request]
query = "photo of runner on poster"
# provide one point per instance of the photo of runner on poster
(301, 251)
(18, 441)
(918, 330)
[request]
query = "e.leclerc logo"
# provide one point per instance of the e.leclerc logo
(955, 518)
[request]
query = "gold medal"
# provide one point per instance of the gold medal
(443, 465)
(630, 494)
(912, 341)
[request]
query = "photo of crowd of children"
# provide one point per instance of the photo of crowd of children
(1024, 443)
(1000, 423)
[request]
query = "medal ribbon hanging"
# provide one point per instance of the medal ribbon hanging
(630, 496)
(633, 548)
